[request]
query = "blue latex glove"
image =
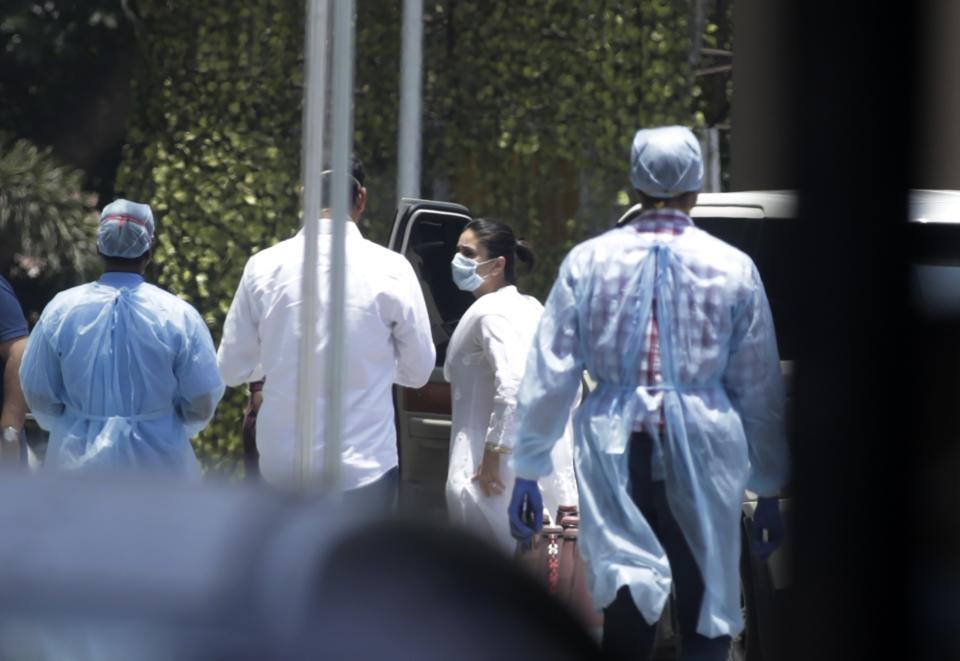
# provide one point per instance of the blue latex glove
(526, 509)
(766, 519)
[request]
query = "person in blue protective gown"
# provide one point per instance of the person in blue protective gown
(675, 328)
(120, 372)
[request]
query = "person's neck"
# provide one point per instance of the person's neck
(123, 269)
(682, 203)
(136, 269)
(327, 214)
(489, 288)
(667, 207)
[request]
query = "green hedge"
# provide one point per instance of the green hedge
(215, 149)
(45, 217)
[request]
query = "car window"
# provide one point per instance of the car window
(780, 264)
(771, 243)
(741, 233)
(935, 289)
(432, 243)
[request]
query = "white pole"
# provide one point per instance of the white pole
(313, 115)
(710, 148)
(340, 197)
(715, 158)
(408, 150)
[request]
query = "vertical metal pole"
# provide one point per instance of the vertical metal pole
(710, 147)
(313, 115)
(408, 152)
(340, 196)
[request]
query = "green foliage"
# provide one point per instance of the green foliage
(376, 108)
(215, 150)
(713, 93)
(529, 109)
(51, 53)
(45, 218)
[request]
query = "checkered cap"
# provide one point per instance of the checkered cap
(126, 229)
(666, 162)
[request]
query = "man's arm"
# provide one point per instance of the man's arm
(754, 383)
(238, 357)
(551, 380)
(14, 406)
(199, 385)
(41, 378)
(13, 341)
(412, 340)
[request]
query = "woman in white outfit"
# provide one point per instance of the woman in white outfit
(485, 362)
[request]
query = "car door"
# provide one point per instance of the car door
(426, 233)
(764, 226)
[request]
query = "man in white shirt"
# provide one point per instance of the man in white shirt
(387, 341)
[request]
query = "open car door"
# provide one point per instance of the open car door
(426, 233)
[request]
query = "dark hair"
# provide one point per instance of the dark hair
(499, 241)
(358, 173)
(125, 263)
(129, 262)
(648, 201)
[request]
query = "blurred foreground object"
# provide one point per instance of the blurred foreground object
(123, 569)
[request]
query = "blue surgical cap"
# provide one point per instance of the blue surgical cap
(126, 229)
(666, 162)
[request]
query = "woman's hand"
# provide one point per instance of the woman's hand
(488, 475)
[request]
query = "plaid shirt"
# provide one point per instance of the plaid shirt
(665, 223)
(658, 221)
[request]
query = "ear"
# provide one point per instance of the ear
(498, 266)
(361, 203)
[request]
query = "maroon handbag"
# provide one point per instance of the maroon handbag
(552, 557)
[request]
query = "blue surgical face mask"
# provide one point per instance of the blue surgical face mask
(465, 272)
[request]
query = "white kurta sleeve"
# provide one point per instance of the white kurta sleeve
(238, 357)
(499, 348)
(412, 341)
(551, 380)
(754, 383)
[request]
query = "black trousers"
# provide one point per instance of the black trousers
(626, 635)
(378, 497)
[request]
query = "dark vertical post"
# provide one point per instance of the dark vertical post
(763, 134)
(935, 375)
(850, 100)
